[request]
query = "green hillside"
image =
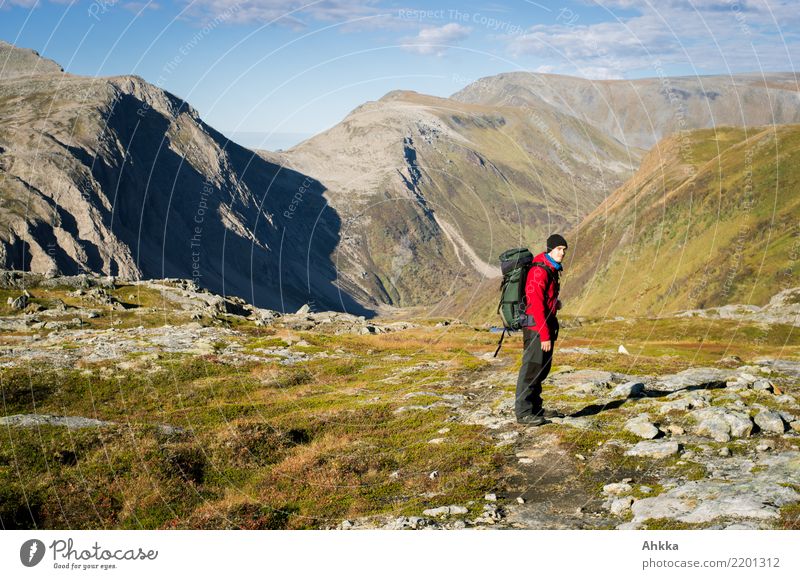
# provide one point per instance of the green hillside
(709, 219)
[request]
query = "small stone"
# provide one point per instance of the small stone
(763, 385)
(580, 457)
(642, 428)
(520, 500)
(765, 446)
(620, 505)
(434, 474)
(645, 490)
(622, 350)
(724, 451)
(795, 425)
(436, 441)
(676, 430)
(526, 460)
(616, 488)
(749, 378)
(654, 449)
(490, 497)
(443, 430)
(346, 524)
(770, 421)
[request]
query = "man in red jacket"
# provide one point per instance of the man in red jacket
(540, 332)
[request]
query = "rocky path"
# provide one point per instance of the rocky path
(704, 448)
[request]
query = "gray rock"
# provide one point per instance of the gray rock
(683, 402)
(30, 420)
(740, 423)
(758, 497)
(402, 523)
(712, 423)
(692, 377)
(654, 449)
(641, 427)
(445, 511)
(627, 390)
(621, 505)
(585, 381)
(763, 385)
(19, 303)
(770, 421)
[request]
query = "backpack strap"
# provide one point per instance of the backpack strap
(528, 318)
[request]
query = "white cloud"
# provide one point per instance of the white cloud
(436, 40)
(706, 34)
(140, 6)
(22, 3)
(293, 13)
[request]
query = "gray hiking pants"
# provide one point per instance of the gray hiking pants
(535, 368)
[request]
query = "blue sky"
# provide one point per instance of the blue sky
(273, 72)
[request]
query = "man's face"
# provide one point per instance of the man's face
(557, 253)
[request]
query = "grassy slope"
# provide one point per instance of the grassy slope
(709, 219)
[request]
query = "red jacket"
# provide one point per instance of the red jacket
(541, 298)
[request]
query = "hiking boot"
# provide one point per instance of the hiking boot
(533, 420)
(553, 414)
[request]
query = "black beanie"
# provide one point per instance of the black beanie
(554, 241)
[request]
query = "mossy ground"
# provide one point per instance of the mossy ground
(262, 444)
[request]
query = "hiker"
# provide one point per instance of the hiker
(539, 333)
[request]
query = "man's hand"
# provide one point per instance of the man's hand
(546, 345)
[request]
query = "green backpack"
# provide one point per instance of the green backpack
(515, 265)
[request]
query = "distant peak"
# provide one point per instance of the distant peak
(16, 62)
(398, 95)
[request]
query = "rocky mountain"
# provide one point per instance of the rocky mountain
(641, 112)
(432, 189)
(408, 201)
(116, 176)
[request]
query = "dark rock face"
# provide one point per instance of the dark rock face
(118, 177)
